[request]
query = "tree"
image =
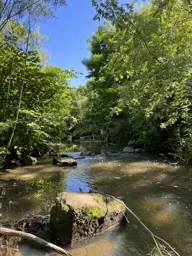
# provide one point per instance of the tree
(35, 99)
(17, 9)
(145, 61)
(25, 121)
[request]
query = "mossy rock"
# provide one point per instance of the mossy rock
(77, 216)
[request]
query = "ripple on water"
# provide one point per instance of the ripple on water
(148, 188)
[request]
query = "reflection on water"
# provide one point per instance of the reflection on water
(159, 194)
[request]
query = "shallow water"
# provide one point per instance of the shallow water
(159, 194)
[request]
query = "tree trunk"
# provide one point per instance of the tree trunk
(22, 85)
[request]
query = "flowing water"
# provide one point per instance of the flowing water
(160, 195)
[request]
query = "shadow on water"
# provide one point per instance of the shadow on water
(159, 194)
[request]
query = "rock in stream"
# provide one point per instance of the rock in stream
(77, 216)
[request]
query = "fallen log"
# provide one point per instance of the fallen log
(33, 238)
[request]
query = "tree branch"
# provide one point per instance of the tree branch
(28, 236)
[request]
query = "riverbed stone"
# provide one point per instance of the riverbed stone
(65, 162)
(129, 149)
(77, 216)
(29, 160)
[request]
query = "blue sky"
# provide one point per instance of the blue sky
(68, 33)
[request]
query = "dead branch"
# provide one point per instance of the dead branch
(28, 236)
(155, 238)
(167, 159)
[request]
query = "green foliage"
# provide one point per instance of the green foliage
(46, 103)
(17, 10)
(140, 71)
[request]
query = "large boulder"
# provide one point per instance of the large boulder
(77, 216)
(65, 162)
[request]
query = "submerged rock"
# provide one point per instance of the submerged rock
(77, 216)
(65, 162)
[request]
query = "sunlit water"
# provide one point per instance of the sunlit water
(159, 194)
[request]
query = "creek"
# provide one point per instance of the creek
(160, 195)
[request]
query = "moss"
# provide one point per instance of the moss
(65, 208)
(83, 216)
(114, 206)
(99, 199)
(100, 209)
(96, 212)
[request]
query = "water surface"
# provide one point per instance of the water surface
(161, 196)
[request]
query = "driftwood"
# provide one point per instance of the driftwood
(175, 156)
(33, 238)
